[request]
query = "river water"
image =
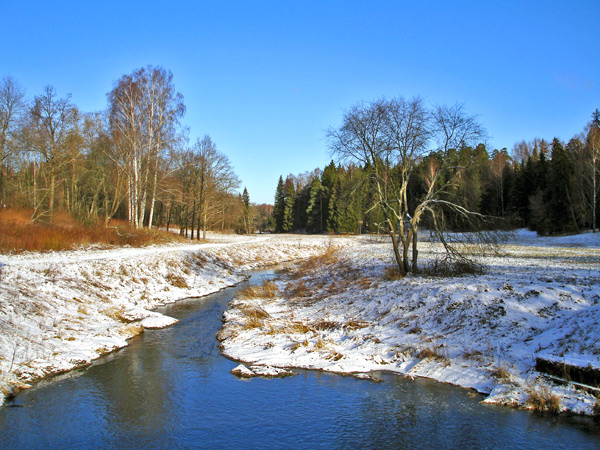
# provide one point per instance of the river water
(172, 389)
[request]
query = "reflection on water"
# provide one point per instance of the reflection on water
(172, 389)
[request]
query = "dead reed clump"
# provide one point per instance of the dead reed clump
(266, 290)
(432, 353)
(328, 257)
(254, 316)
(294, 328)
(543, 400)
(116, 313)
(501, 373)
(177, 281)
(355, 325)
(325, 325)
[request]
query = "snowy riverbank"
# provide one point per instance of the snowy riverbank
(60, 311)
(540, 299)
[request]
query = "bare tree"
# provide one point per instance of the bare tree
(214, 180)
(389, 138)
(52, 121)
(593, 144)
(144, 113)
(12, 107)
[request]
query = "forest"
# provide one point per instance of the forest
(547, 186)
(134, 162)
(131, 162)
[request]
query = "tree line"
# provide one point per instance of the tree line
(402, 165)
(132, 161)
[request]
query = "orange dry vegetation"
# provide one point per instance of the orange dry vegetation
(19, 234)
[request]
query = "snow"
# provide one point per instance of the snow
(541, 298)
(62, 310)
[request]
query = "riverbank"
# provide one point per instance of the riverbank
(345, 314)
(62, 310)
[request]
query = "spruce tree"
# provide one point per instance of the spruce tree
(314, 211)
(279, 206)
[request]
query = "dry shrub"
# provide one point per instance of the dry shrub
(596, 408)
(452, 267)
(63, 232)
(543, 400)
(177, 281)
(392, 273)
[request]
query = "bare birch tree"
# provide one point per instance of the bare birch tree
(144, 113)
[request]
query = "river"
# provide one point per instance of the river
(172, 388)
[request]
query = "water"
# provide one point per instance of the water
(171, 388)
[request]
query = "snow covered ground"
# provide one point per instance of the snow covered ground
(60, 311)
(341, 313)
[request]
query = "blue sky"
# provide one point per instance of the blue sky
(265, 79)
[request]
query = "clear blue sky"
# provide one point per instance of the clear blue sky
(266, 79)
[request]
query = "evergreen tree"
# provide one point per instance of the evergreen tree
(279, 206)
(287, 224)
(314, 211)
(558, 195)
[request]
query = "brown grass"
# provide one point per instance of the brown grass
(18, 234)
(177, 281)
(501, 373)
(392, 273)
(266, 290)
(543, 400)
(432, 353)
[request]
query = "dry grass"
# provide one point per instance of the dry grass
(432, 353)
(543, 400)
(254, 316)
(177, 281)
(18, 234)
(392, 273)
(328, 257)
(500, 372)
(355, 324)
(266, 290)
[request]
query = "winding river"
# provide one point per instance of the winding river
(172, 388)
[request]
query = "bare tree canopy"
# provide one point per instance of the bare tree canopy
(144, 111)
(390, 137)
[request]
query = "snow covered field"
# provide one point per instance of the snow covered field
(541, 298)
(60, 311)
